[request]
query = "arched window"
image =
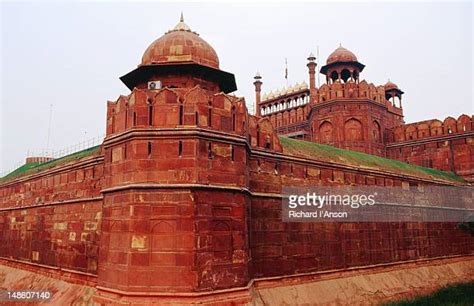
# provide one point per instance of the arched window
(353, 130)
(355, 75)
(345, 75)
(326, 132)
(376, 131)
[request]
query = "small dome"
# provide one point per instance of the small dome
(181, 45)
(389, 85)
(341, 54)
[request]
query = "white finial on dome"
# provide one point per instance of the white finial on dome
(181, 26)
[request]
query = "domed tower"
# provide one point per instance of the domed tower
(393, 93)
(180, 58)
(175, 172)
(342, 65)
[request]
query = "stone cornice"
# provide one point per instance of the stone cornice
(178, 133)
(71, 201)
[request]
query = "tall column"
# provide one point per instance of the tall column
(312, 80)
(258, 88)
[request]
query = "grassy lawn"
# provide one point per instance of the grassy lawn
(455, 295)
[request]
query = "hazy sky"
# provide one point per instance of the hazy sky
(72, 54)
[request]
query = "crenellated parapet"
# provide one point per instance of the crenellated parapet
(177, 108)
(292, 108)
(188, 109)
(431, 128)
(262, 134)
(445, 145)
(354, 90)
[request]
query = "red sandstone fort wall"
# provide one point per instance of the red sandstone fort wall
(202, 208)
(305, 247)
(53, 217)
(447, 145)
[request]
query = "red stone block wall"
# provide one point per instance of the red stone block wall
(75, 181)
(222, 249)
(280, 248)
(65, 236)
(447, 145)
(306, 247)
(53, 217)
(195, 240)
(357, 125)
(148, 239)
(182, 163)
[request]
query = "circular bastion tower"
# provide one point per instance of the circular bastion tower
(175, 206)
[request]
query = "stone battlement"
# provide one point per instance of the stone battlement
(431, 128)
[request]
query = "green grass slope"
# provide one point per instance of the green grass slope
(31, 168)
(347, 157)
